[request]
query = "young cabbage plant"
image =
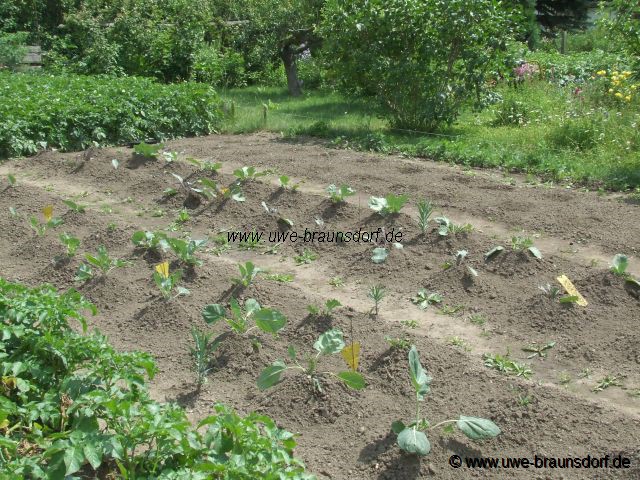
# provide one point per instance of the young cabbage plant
(324, 311)
(248, 272)
(49, 221)
(389, 205)
(412, 437)
(460, 258)
(149, 241)
(102, 261)
(306, 257)
(266, 319)
(425, 209)
(329, 343)
(555, 293)
(206, 188)
(167, 281)
(246, 174)
(75, 207)
(273, 211)
(446, 227)
(285, 183)
(424, 298)
(520, 244)
(376, 293)
(185, 250)
(619, 265)
(70, 242)
(339, 194)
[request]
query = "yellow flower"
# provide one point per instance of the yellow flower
(47, 212)
(628, 98)
(163, 269)
(611, 90)
(626, 73)
(633, 87)
(618, 95)
(601, 72)
(614, 73)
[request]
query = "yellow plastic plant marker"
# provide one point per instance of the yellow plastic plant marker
(351, 355)
(47, 212)
(163, 269)
(572, 290)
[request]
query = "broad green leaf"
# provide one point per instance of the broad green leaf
(377, 204)
(493, 252)
(619, 264)
(477, 428)
(352, 380)
(271, 375)
(251, 306)
(291, 351)
(212, 313)
(92, 454)
(329, 342)
(269, 321)
(411, 440)
(73, 459)
(380, 254)
(569, 299)
(419, 379)
(535, 252)
(398, 426)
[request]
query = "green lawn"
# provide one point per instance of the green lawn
(564, 137)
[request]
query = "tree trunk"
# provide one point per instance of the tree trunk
(288, 55)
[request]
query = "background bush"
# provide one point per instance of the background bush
(72, 112)
(12, 49)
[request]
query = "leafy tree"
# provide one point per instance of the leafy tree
(621, 18)
(271, 31)
(422, 59)
(563, 14)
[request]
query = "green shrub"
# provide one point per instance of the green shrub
(219, 68)
(75, 405)
(12, 49)
(72, 112)
(511, 112)
(422, 59)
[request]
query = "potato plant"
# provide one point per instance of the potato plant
(329, 343)
(412, 437)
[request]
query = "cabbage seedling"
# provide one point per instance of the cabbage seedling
(538, 350)
(519, 244)
(168, 281)
(619, 265)
(446, 227)
(102, 261)
(266, 319)
(149, 241)
(329, 343)
(245, 174)
(186, 249)
(424, 298)
(306, 257)
(389, 205)
(326, 310)
(74, 206)
(71, 243)
(412, 437)
(376, 293)
(425, 208)
(248, 273)
(49, 221)
(504, 364)
(339, 194)
(285, 183)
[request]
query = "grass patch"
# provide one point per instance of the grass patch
(561, 137)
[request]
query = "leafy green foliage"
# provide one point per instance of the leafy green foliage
(412, 437)
(619, 265)
(168, 283)
(73, 206)
(148, 151)
(424, 298)
(246, 174)
(339, 194)
(186, 250)
(326, 310)
(248, 273)
(422, 60)
(504, 364)
(446, 227)
(87, 407)
(329, 343)
(306, 257)
(41, 227)
(519, 244)
(70, 242)
(389, 205)
(149, 241)
(102, 261)
(30, 120)
(266, 319)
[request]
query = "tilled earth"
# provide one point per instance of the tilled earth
(557, 412)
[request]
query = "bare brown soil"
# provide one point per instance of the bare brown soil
(346, 434)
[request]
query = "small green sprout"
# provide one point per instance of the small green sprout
(248, 272)
(424, 298)
(306, 257)
(619, 265)
(326, 310)
(339, 194)
(608, 381)
(376, 293)
(425, 208)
